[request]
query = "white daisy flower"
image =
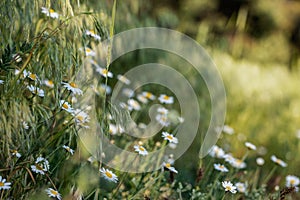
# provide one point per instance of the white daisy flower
(92, 34)
(141, 150)
(50, 12)
(163, 98)
(24, 75)
(162, 120)
(217, 152)
(41, 166)
(162, 111)
(80, 116)
(68, 149)
(25, 125)
(169, 137)
(128, 92)
(105, 88)
(169, 167)
(237, 163)
(88, 51)
(16, 153)
(241, 187)
(33, 77)
(123, 79)
(65, 106)
(142, 98)
(260, 161)
(109, 175)
(53, 193)
(134, 104)
(292, 181)
(149, 95)
(104, 72)
(229, 187)
(278, 161)
(73, 88)
(48, 83)
(4, 185)
(220, 167)
(250, 146)
(1, 81)
(36, 91)
(227, 129)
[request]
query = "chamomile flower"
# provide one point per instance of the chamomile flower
(104, 72)
(141, 150)
(241, 187)
(123, 79)
(3, 184)
(162, 120)
(48, 83)
(36, 91)
(134, 104)
(278, 161)
(41, 166)
(217, 152)
(250, 146)
(88, 51)
(163, 98)
(229, 187)
(229, 158)
(220, 167)
(109, 175)
(237, 163)
(24, 75)
(25, 125)
(260, 161)
(68, 149)
(169, 167)
(80, 116)
(149, 95)
(17, 57)
(292, 181)
(16, 153)
(53, 193)
(1, 82)
(66, 106)
(33, 77)
(169, 137)
(50, 12)
(92, 34)
(228, 130)
(73, 88)
(142, 98)
(128, 92)
(162, 111)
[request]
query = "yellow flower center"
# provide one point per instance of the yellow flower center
(50, 83)
(72, 84)
(105, 71)
(148, 95)
(55, 193)
(221, 166)
(65, 106)
(108, 174)
(239, 161)
(166, 97)
(1, 184)
(39, 167)
(32, 76)
(170, 137)
(293, 182)
(92, 32)
(51, 11)
(228, 187)
(80, 118)
(141, 148)
(88, 50)
(167, 165)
